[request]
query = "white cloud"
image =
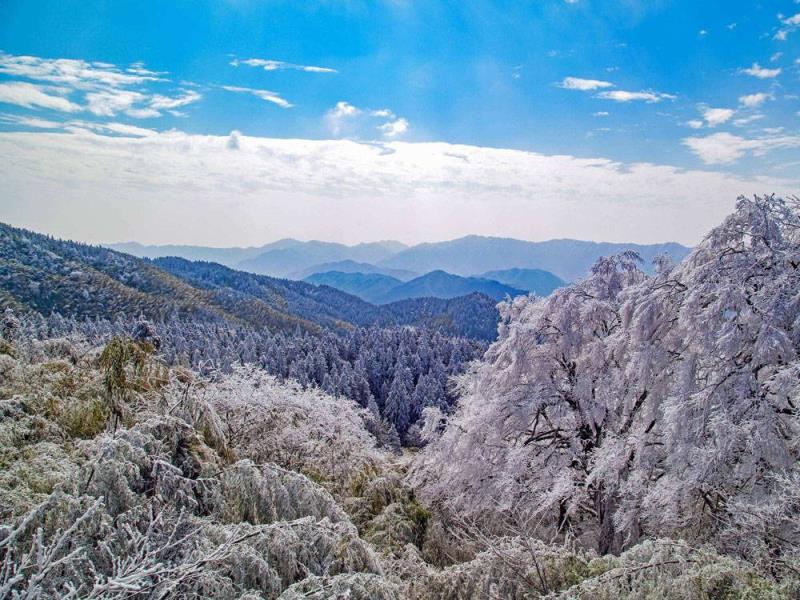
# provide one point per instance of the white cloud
(576, 83)
(78, 74)
(179, 188)
(702, 33)
(775, 56)
(761, 72)
(395, 128)
(142, 113)
(600, 113)
(110, 102)
(159, 102)
(790, 24)
(717, 116)
(30, 121)
(279, 65)
(29, 95)
(273, 97)
(625, 96)
(695, 124)
(337, 117)
(754, 100)
(346, 120)
(345, 109)
(122, 129)
(725, 148)
(106, 89)
(747, 120)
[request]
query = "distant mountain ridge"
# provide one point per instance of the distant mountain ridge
(276, 259)
(438, 284)
(41, 274)
(280, 262)
(467, 256)
(538, 281)
(567, 259)
(382, 289)
(367, 286)
(351, 266)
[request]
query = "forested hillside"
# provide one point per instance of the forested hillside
(209, 318)
(47, 275)
(395, 372)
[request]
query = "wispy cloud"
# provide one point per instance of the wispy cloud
(725, 148)
(267, 95)
(741, 122)
(626, 96)
(106, 89)
(34, 122)
(120, 129)
(789, 24)
(761, 72)
(159, 102)
(589, 85)
(29, 95)
(109, 103)
(576, 83)
(78, 74)
(279, 65)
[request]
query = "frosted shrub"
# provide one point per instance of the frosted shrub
(269, 494)
(356, 586)
(303, 430)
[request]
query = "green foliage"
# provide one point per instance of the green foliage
(7, 348)
(85, 418)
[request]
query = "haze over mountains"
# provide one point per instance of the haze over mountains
(518, 264)
(283, 258)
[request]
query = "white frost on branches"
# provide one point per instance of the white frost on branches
(625, 407)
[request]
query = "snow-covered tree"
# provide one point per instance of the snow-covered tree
(625, 407)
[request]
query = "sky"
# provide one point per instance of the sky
(239, 122)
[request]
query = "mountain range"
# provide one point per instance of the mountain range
(468, 256)
(538, 281)
(278, 259)
(383, 289)
(42, 274)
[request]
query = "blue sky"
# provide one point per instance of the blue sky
(693, 87)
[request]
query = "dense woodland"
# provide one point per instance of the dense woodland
(395, 372)
(630, 436)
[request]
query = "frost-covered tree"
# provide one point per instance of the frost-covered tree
(625, 407)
